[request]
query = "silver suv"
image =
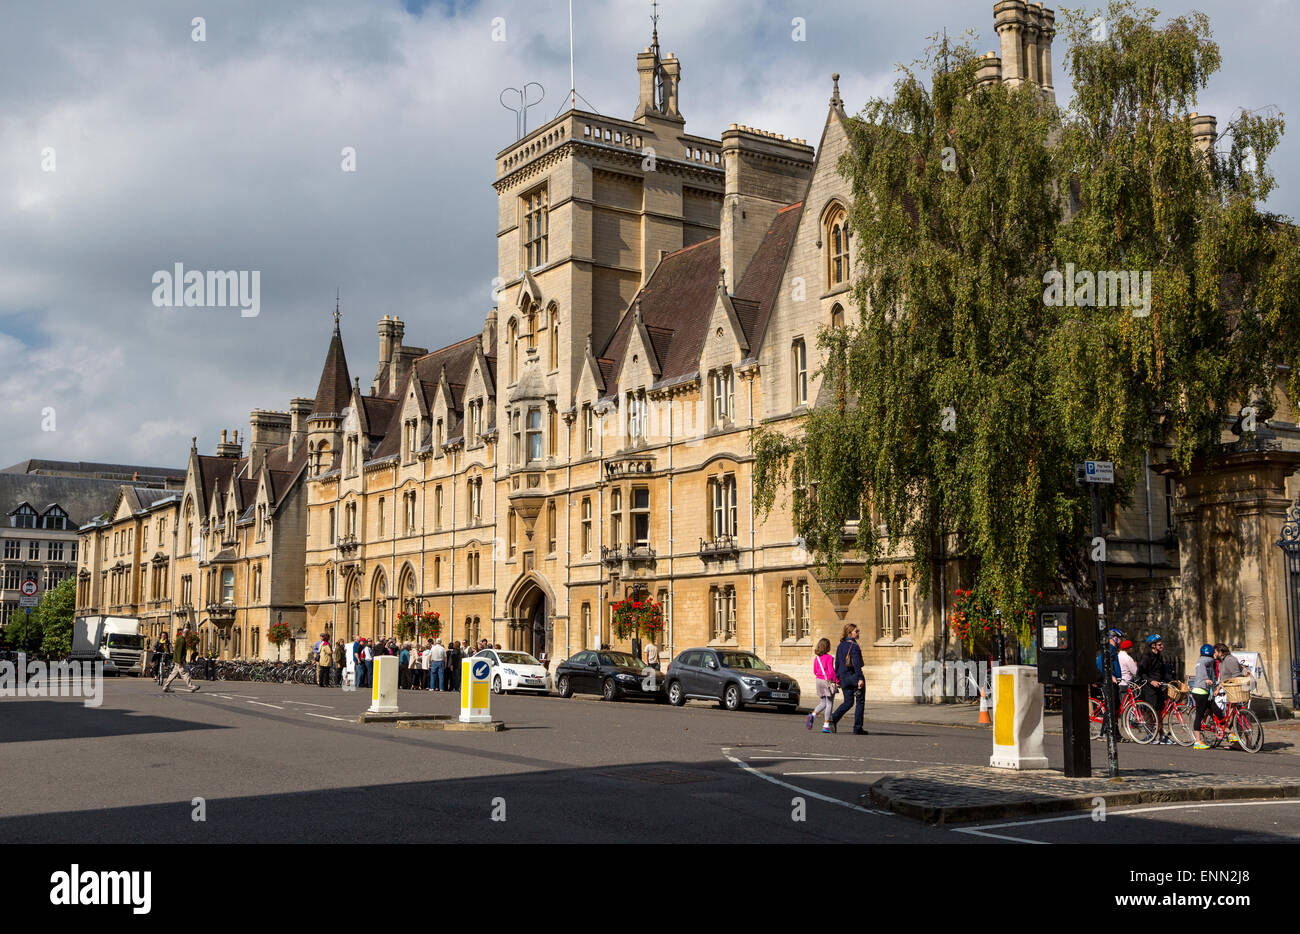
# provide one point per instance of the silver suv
(732, 677)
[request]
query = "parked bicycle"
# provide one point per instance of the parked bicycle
(1137, 719)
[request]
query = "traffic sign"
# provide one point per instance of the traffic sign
(28, 591)
(1099, 471)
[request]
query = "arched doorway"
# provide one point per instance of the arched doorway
(530, 618)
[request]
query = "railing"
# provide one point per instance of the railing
(643, 554)
(722, 546)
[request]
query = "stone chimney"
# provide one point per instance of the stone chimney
(299, 410)
(403, 357)
(267, 430)
(765, 172)
(988, 70)
(1205, 130)
(231, 448)
(1026, 31)
(391, 331)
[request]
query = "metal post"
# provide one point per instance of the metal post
(27, 625)
(1109, 692)
(1074, 720)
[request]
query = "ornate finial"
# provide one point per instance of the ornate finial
(636, 310)
(194, 443)
(356, 384)
(589, 351)
(654, 21)
(836, 102)
(336, 310)
(722, 279)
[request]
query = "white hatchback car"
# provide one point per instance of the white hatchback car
(515, 671)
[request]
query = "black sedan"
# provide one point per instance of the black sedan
(612, 675)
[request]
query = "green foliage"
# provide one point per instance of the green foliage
(20, 635)
(950, 270)
(55, 613)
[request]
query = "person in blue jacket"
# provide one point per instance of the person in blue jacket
(1110, 686)
(853, 680)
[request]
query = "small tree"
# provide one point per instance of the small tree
(54, 615)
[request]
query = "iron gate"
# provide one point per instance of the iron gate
(1290, 545)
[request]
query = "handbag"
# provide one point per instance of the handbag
(826, 688)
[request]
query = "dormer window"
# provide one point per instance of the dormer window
(24, 517)
(636, 417)
(588, 430)
(475, 416)
(512, 338)
(555, 336)
(836, 236)
(437, 447)
(724, 395)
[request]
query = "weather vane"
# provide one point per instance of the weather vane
(521, 112)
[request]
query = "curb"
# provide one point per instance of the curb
(939, 815)
(452, 726)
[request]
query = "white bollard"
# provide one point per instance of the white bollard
(1017, 718)
(475, 695)
(383, 692)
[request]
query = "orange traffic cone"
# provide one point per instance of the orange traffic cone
(984, 709)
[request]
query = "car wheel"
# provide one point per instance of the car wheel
(610, 690)
(731, 698)
(563, 687)
(496, 686)
(675, 695)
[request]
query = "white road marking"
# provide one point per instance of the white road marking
(796, 758)
(1125, 812)
(260, 704)
(328, 717)
(253, 696)
(803, 791)
(305, 704)
(868, 772)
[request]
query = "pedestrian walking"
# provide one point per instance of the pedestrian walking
(178, 666)
(852, 678)
(652, 655)
(404, 667)
(437, 658)
(324, 661)
(828, 684)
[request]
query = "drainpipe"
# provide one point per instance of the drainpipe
(671, 550)
(752, 580)
(1146, 469)
(451, 610)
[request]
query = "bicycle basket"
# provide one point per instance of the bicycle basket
(1177, 690)
(1237, 690)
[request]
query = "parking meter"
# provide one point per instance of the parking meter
(1067, 645)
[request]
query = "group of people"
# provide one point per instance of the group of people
(431, 667)
(842, 671)
(1153, 671)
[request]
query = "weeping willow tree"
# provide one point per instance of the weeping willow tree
(953, 411)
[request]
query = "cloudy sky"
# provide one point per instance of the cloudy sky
(226, 154)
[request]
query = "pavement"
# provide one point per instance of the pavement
(247, 762)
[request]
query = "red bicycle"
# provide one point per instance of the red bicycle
(1137, 719)
(1237, 719)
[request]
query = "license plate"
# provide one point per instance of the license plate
(780, 695)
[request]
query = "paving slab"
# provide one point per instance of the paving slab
(960, 793)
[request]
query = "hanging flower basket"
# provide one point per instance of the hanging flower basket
(429, 625)
(191, 639)
(279, 633)
(975, 622)
(638, 617)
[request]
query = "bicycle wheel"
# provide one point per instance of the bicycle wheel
(1180, 727)
(1140, 723)
(1096, 717)
(1250, 732)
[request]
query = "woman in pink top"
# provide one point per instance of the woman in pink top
(827, 684)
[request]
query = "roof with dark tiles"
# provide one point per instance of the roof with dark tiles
(334, 392)
(678, 299)
(82, 498)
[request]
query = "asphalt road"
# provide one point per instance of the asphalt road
(288, 763)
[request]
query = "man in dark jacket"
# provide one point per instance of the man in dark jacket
(454, 656)
(1154, 670)
(849, 669)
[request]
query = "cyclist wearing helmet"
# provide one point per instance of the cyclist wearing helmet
(1202, 684)
(1155, 670)
(1110, 686)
